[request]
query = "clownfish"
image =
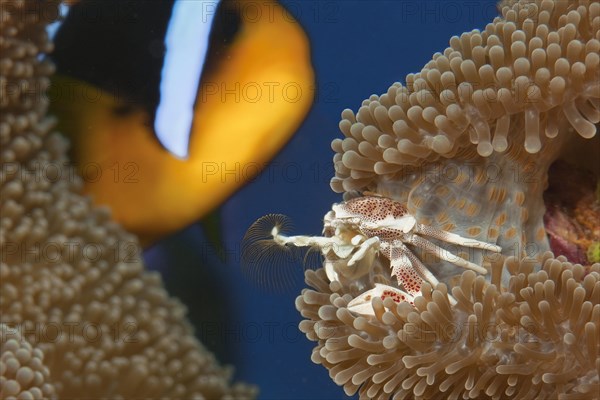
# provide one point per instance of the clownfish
(172, 105)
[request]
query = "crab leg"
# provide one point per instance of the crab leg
(444, 254)
(415, 263)
(433, 281)
(450, 237)
(407, 268)
(304, 241)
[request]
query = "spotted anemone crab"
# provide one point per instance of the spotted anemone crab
(356, 230)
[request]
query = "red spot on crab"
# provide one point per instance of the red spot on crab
(375, 208)
(394, 296)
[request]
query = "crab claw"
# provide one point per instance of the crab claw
(362, 303)
(366, 251)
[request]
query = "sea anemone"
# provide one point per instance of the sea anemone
(79, 316)
(537, 338)
(467, 145)
(22, 369)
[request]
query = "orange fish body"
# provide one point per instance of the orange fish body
(247, 107)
